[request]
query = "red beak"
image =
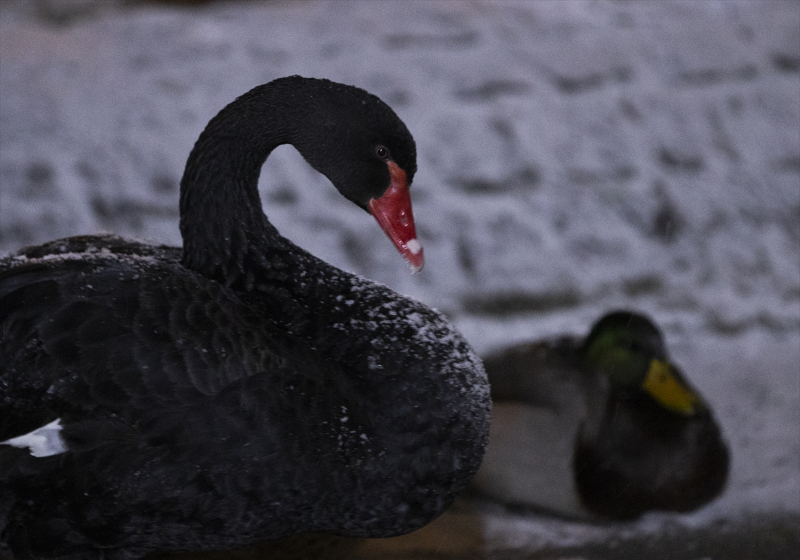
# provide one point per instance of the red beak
(393, 213)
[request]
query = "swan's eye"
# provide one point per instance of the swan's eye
(382, 152)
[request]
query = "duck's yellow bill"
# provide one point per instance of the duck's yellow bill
(668, 391)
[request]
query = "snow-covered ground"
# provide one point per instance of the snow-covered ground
(574, 157)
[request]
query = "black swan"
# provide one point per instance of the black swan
(603, 426)
(238, 389)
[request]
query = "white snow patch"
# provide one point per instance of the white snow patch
(414, 246)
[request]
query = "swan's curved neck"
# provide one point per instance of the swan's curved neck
(226, 235)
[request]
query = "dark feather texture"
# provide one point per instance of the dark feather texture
(240, 389)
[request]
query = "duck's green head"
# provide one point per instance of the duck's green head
(629, 350)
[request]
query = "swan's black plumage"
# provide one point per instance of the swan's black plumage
(240, 389)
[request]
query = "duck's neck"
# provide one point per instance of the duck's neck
(226, 235)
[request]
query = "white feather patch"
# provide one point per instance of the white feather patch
(42, 442)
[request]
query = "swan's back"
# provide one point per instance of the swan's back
(185, 405)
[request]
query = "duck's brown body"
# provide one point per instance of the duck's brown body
(569, 438)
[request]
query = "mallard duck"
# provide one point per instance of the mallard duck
(600, 427)
(236, 389)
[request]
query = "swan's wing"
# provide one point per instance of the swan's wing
(115, 375)
(95, 245)
(116, 336)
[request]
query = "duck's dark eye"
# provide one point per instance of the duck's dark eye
(382, 152)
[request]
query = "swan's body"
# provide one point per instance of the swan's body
(600, 427)
(239, 389)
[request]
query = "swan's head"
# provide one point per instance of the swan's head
(362, 146)
(629, 350)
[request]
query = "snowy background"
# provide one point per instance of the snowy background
(574, 157)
